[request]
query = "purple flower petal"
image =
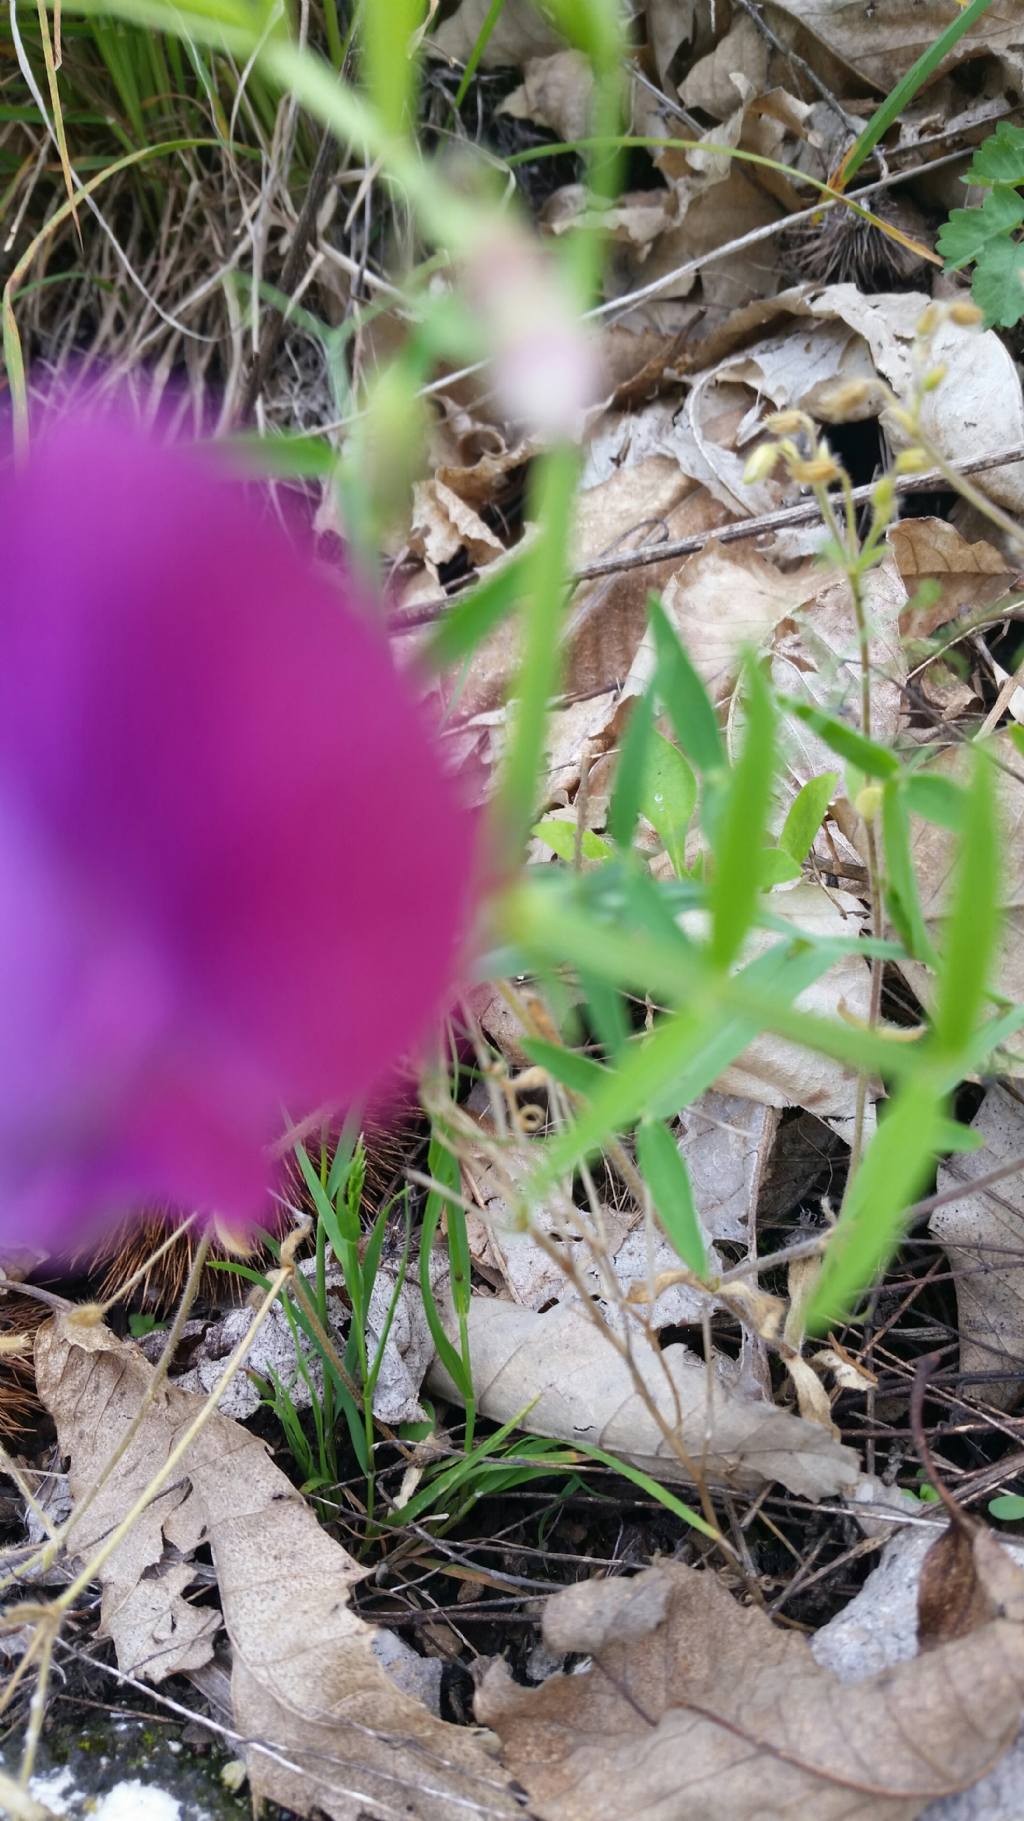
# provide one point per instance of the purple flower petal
(234, 878)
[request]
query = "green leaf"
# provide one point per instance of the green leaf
(776, 868)
(958, 1138)
(581, 1074)
(968, 232)
(805, 815)
(893, 1172)
(999, 158)
(669, 797)
(902, 897)
(972, 926)
(630, 772)
(560, 836)
(390, 72)
(998, 283)
(935, 798)
(666, 1175)
(735, 882)
(1009, 1506)
(684, 697)
(851, 745)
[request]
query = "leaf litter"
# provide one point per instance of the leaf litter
(696, 1704)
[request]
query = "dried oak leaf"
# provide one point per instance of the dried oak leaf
(704, 1711)
(338, 1735)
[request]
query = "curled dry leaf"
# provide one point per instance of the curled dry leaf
(342, 1738)
(577, 1386)
(983, 1236)
(969, 577)
(705, 1711)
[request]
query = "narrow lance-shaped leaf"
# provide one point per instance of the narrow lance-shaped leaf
(667, 1177)
(686, 701)
(669, 797)
(735, 883)
(973, 925)
(627, 795)
(805, 815)
(902, 897)
(895, 1169)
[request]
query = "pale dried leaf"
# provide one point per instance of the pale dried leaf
(983, 1236)
(556, 92)
(723, 600)
(736, 69)
(305, 1678)
(702, 1708)
(727, 1143)
(522, 32)
(585, 1391)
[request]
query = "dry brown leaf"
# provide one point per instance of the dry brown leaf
(705, 1711)
(883, 40)
(970, 577)
(443, 524)
(556, 92)
(723, 599)
(983, 1236)
(305, 1679)
(734, 70)
(584, 1391)
(522, 31)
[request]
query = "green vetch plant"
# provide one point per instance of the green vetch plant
(988, 236)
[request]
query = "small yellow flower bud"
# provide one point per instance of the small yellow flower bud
(868, 801)
(934, 378)
(883, 498)
(965, 313)
(848, 400)
(761, 463)
(911, 461)
(787, 423)
(929, 321)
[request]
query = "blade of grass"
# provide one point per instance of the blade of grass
(483, 38)
(667, 1177)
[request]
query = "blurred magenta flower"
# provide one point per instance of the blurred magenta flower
(234, 877)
